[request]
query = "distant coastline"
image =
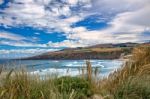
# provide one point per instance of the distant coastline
(100, 51)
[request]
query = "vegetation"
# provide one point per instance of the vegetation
(21, 85)
(79, 85)
(102, 51)
(132, 81)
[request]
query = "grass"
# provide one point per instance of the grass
(132, 81)
(22, 85)
(106, 49)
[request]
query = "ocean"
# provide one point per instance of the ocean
(62, 67)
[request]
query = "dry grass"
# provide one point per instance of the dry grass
(106, 49)
(22, 85)
(131, 80)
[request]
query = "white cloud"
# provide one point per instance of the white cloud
(12, 39)
(21, 43)
(117, 6)
(127, 26)
(36, 13)
(66, 43)
(72, 2)
(140, 17)
(27, 51)
(11, 36)
(18, 53)
(37, 33)
(130, 18)
(1, 1)
(72, 19)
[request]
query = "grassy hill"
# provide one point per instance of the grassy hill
(100, 51)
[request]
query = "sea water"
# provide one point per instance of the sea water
(62, 67)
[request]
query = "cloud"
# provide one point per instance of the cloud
(13, 39)
(72, 2)
(21, 43)
(46, 13)
(27, 51)
(65, 43)
(126, 26)
(128, 20)
(1, 1)
(11, 36)
(140, 17)
(117, 6)
(37, 33)
(18, 53)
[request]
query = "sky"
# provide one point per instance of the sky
(29, 27)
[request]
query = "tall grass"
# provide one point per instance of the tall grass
(132, 81)
(22, 85)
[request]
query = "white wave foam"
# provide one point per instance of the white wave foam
(106, 68)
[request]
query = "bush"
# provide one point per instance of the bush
(79, 85)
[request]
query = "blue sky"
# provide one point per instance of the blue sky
(28, 27)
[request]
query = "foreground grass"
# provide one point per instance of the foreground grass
(22, 85)
(132, 81)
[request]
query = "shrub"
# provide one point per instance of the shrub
(80, 85)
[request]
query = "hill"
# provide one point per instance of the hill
(100, 51)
